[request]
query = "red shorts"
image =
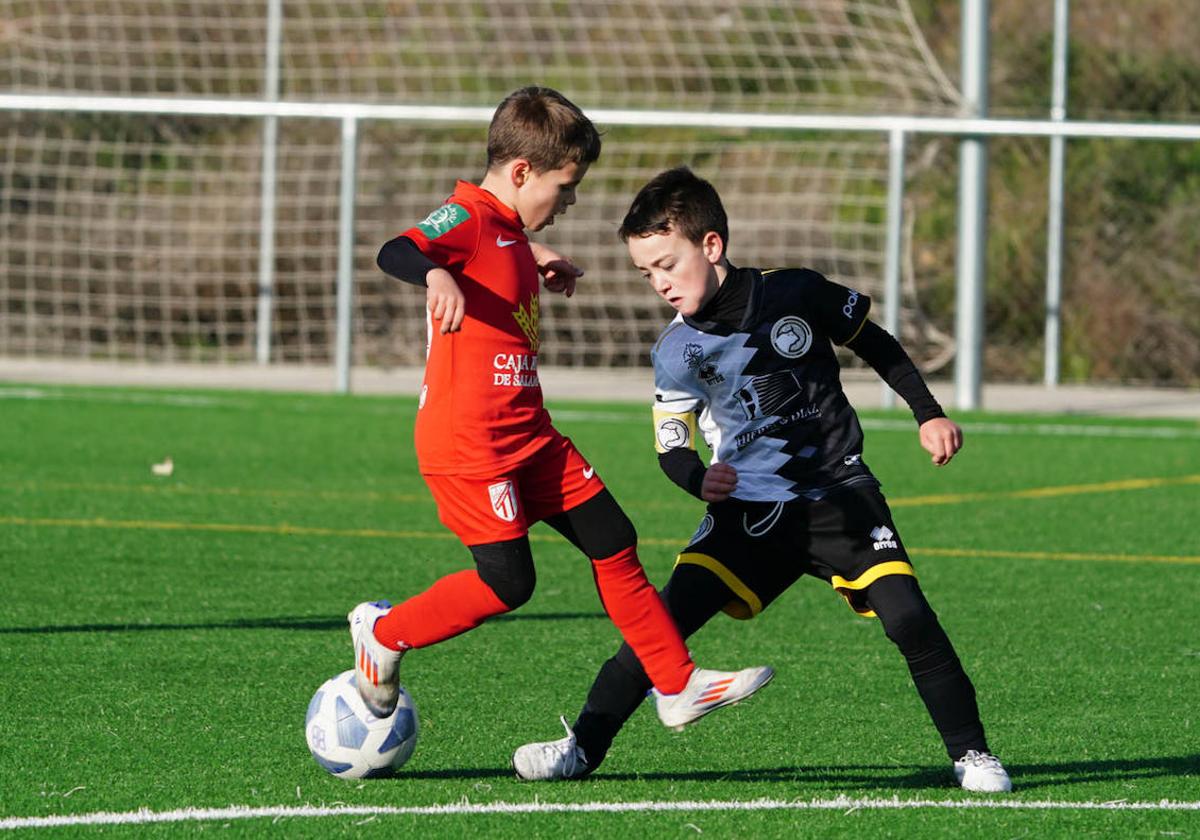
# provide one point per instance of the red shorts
(499, 507)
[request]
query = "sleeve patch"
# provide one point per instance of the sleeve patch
(674, 431)
(443, 220)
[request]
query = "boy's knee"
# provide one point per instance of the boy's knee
(911, 626)
(907, 618)
(602, 527)
(507, 568)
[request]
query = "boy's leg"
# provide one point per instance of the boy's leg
(502, 580)
(693, 595)
(947, 692)
(487, 515)
(602, 531)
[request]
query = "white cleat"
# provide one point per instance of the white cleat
(376, 666)
(550, 761)
(982, 772)
(707, 690)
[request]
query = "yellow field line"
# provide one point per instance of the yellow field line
(184, 490)
(284, 529)
(1055, 555)
(902, 501)
(1046, 492)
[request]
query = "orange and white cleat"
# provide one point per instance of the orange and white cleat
(376, 666)
(708, 690)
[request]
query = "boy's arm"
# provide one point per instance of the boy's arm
(402, 259)
(559, 273)
(684, 467)
(675, 431)
(876, 346)
(940, 436)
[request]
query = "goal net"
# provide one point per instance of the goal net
(137, 237)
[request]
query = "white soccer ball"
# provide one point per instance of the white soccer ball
(350, 742)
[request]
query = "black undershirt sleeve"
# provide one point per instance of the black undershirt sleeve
(402, 259)
(684, 467)
(876, 346)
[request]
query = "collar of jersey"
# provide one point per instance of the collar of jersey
(472, 192)
(719, 328)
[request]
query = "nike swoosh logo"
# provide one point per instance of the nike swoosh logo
(588, 472)
(504, 243)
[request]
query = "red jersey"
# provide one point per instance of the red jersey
(481, 402)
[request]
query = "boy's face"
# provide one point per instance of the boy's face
(543, 195)
(681, 272)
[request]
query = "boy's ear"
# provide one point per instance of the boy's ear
(519, 171)
(713, 247)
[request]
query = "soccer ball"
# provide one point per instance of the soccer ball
(350, 742)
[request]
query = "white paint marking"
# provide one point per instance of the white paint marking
(185, 400)
(840, 803)
(880, 424)
(1046, 429)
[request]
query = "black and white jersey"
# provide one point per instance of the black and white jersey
(767, 395)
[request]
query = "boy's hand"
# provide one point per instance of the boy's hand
(445, 300)
(559, 273)
(941, 438)
(719, 481)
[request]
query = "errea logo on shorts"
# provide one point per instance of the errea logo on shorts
(443, 220)
(883, 537)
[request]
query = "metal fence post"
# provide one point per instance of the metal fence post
(266, 226)
(1054, 221)
(892, 256)
(972, 212)
(345, 261)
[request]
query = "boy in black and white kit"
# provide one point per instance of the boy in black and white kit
(748, 363)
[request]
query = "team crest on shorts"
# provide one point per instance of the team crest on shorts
(705, 528)
(791, 337)
(504, 500)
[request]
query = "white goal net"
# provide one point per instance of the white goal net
(137, 237)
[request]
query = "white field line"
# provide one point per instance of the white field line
(184, 400)
(879, 424)
(840, 803)
(1046, 429)
(586, 416)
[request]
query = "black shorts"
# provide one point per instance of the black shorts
(759, 549)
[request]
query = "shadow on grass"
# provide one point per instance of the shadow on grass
(281, 623)
(874, 777)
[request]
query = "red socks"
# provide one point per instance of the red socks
(641, 616)
(462, 601)
(453, 605)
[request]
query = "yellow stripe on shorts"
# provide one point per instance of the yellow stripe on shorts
(847, 588)
(749, 604)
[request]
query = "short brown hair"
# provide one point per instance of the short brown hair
(676, 200)
(543, 127)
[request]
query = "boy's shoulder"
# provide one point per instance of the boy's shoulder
(447, 217)
(669, 334)
(797, 288)
(799, 278)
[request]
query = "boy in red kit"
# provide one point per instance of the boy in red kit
(485, 444)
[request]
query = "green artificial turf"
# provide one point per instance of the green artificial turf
(160, 637)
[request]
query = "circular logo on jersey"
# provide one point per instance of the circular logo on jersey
(673, 433)
(706, 526)
(791, 337)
